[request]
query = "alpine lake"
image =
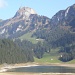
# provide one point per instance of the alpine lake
(44, 69)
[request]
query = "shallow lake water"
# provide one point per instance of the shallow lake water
(44, 69)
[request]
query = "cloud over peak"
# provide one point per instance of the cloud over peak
(3, 3)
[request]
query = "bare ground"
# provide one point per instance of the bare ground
(8, 73)
(23, 73)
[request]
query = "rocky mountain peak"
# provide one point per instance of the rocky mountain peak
(63, 17)
(27, 20)
(25, 12)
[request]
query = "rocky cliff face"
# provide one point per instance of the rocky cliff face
(25, 20)
(24, 12)
(64, 17)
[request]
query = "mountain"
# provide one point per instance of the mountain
(25, 20)
(59, 31)
(11, 53)
(0, 20)
(62, 28)
(64, 18)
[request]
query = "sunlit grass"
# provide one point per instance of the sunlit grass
(71, 62)
(29, 38)
(52, 57)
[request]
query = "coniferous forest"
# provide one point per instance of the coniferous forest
(18, 33)
(10, 52)
(22, 51)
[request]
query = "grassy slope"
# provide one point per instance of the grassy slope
(47, 58)
(51, 57)
(29, 38)
(71, 62)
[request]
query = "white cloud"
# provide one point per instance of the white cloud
(3, 3)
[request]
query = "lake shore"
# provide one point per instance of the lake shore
(11, 73)
(35, 64)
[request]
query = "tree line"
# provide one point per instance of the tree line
(58, 37)
(11, 53)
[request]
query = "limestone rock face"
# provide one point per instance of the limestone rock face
(25, 12)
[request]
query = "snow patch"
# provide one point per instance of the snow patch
(67, 11)
(23, 17)
(2, 31)
(19, 28)
(58, 19)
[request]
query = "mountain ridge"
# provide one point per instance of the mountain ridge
(21, 22)
(27, 20)
(64, 15)
(59, 31)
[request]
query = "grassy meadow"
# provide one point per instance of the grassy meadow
(28, 37)
(52, 57)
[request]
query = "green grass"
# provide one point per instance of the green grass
(71, 62)
(47, 58)
(51, 57)
(29, 38)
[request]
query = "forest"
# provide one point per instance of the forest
(22, 51)
(55, 38)
(11, 53)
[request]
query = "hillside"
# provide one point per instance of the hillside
(25, 20)
(11, 53)
(57, 32)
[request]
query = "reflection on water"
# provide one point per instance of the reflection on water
(44, 69)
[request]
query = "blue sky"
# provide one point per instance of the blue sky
(47, 8)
